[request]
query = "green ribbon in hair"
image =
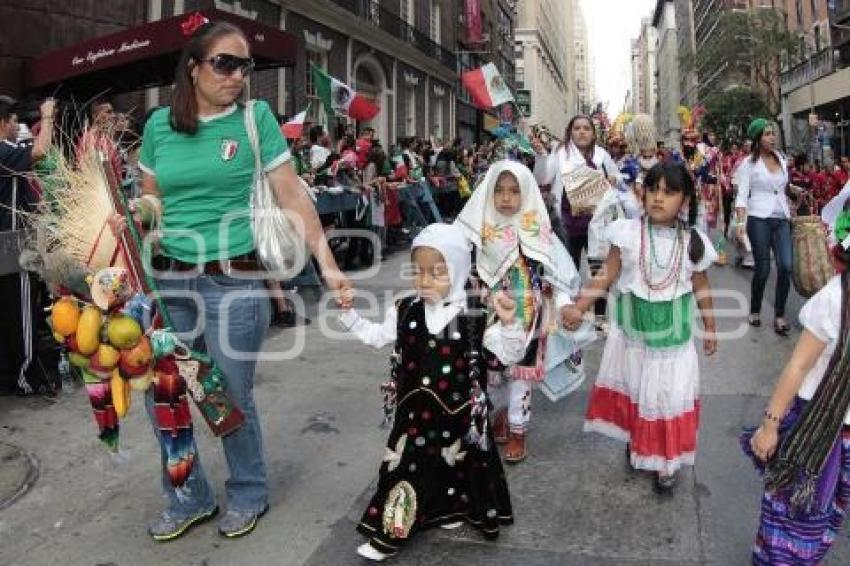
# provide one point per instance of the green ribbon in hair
(842, 227)
(756, 127)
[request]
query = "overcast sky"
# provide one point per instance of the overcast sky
(612, 24)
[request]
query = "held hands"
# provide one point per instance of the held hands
(505, 307)
(764, 442)
(341, 286)
(571, 317)
(346, 299)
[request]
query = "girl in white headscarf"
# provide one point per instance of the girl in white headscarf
(516, 251)
(440, 465)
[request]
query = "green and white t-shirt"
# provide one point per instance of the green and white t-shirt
(205, 180)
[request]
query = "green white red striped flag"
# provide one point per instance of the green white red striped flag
(486, 86)
(339, 98)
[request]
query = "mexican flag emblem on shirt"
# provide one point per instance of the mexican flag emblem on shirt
(339, 98)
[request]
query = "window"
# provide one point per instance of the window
(437, 129)
(817, 39)
(520, 77)
(410, 119)
(374, 13)
(435, 22)
(320, 59)
(799, 13)
(405, 11)
(406, 14)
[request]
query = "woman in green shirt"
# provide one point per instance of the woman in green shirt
(197, 169)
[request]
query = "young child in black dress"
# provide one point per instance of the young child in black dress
(440, 466)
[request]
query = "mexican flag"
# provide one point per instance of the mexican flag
(292, 129)
(486, 86)
(339, 98)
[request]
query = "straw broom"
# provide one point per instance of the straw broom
(71, 234)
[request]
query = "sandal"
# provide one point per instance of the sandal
(500, 427)
(664, 484)
(754, 320)
(781, 327)
(515, 450)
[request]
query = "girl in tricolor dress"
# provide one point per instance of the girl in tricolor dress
(441, 466)
(647, 390)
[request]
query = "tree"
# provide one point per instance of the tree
(729, 112)
(747, 47)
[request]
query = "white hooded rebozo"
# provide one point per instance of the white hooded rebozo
(457, 253)
(501, 239)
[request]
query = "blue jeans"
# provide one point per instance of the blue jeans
(426, 198)
(243, 327)
(768, 234)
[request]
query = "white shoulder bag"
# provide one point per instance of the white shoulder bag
(279, 245)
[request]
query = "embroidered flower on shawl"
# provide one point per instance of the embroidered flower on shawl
(509, 235)
(530, 223)
(488, 233)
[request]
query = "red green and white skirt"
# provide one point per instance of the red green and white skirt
(647, 390)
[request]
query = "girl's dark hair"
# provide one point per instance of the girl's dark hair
(568, 132)
(678, 178)
(756, 151)
(315, 133)
(184, 105)
(348, 142)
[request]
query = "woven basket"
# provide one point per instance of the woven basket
(812, 265)
(584, 188)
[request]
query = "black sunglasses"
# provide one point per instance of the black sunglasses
(225, 64)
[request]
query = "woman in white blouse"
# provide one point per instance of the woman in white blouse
(762, 202)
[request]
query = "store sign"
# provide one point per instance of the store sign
(523, 102)
(93, 57)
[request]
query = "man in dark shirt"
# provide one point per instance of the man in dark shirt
(18, 330)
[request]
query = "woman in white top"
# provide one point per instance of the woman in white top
(761, 200)
(578, 150)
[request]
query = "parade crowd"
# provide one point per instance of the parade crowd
(498, 235)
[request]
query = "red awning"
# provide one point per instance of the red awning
(145, 56)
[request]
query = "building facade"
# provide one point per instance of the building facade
(583, 61)
(32, 28)
(687, 44)
(633, 97)
(399, 52)
(667, 55)
(644, 92)
(543, 61)
(815, 92)
(497, 45)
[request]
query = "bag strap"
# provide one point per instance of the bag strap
(253, 136)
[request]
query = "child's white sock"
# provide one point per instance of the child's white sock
(369, 552)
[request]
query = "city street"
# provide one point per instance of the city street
(575, 502)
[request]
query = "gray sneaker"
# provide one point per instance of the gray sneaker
(170, 526)
(236, 523)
